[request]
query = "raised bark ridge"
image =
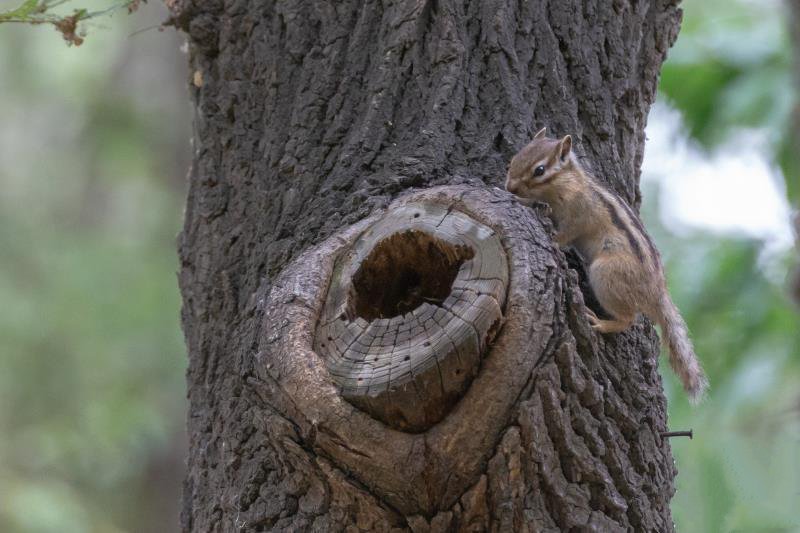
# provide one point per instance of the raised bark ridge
(410, 311)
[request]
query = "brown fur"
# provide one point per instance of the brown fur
(624, 266)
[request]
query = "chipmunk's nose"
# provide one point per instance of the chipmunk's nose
(510, 186)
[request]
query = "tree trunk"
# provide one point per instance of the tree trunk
(794, 148)
(346, 184)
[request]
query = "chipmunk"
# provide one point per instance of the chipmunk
(624, 267)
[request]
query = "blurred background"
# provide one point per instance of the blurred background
(720, 177)
(94, 149)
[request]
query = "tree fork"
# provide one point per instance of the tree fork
(314, 123)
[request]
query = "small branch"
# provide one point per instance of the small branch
(36, 12)
(669, 434)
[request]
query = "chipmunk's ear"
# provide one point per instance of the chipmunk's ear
(540, 133)
(565, 147)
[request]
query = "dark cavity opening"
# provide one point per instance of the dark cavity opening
(403, 271)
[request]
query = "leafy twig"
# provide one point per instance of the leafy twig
(40, 12)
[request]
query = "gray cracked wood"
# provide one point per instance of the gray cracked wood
(315, 116)
(410, 311)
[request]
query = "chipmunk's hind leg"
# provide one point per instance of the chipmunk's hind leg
(608, 326)
(614, 286)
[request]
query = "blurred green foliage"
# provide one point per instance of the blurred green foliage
(731, 69)
(70, 25)
(741, 472)
(95, 144)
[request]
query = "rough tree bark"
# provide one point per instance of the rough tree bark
(312, 118)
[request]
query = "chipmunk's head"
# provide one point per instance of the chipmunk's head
(538, 165)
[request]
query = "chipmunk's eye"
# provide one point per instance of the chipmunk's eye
(538, 171)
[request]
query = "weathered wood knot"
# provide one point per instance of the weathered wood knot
(411, 308)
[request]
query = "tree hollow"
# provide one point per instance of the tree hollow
(411, 308)
(404, 271)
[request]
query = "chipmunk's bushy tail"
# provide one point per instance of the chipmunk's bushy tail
(682, 358)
